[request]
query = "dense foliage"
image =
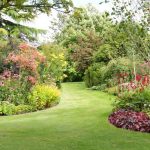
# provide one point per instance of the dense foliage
(43, 96)
(110, 51)
(133, 80)
(56, 63)
(80, 35)
(29, 77)
(120, 52)
(14, 13)
(94, 42)
(21, 73)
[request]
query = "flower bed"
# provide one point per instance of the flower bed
(128, 119)
(25, 83)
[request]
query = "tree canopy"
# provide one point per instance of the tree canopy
(14, 12)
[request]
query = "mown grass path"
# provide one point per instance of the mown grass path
(79, 122)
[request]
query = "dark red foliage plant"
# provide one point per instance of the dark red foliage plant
(131, 120)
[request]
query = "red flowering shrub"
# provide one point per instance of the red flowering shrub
(20, 73)
(26, 57)
(135, 81)
(139, 83)
(23, 69)
(23, 64)
(128, 119)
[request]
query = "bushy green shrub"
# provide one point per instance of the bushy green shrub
(71, 74)
(43, 96)
(20, 109)
(14, 91)
(4, 93)
(94, 75)
(53, 69)
(137, 101)
(102, 73)
(7, 108)
(104, 54)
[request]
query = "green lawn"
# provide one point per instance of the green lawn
(79, 122)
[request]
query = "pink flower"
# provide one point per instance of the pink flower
(24, 46)
(32, 80)
(7, 74)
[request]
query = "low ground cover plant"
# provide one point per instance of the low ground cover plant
(128, 119)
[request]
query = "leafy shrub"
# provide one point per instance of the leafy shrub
(55, 63)
(71, 74)
(94, 75)
(138, 101)
(25, 60)
(43, 96)
(7, 108)
(19, 73)
(20, 70)
(5, 93)
(83, 50)
(101, 73)
(14, 91)
(20, 109)
(104, 53)
(127, 119)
